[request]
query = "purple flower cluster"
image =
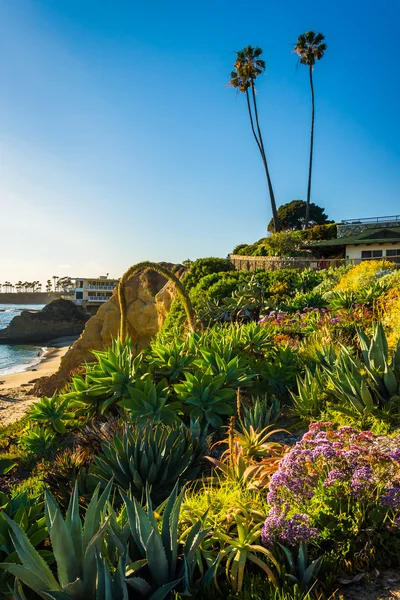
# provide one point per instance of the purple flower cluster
(344, 464)
(362, 481)
(391, 497)
(291, 531)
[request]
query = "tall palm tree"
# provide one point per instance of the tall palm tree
(310, 47)
(55, 279)
(248, 66)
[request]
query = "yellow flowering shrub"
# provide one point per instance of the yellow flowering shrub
(388, 307)
(363, 275)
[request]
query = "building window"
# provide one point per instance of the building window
(395, 252)
(371, 253)
(79, 295)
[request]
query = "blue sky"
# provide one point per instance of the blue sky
(119, 140)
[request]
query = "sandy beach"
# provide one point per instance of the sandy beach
(15, 389)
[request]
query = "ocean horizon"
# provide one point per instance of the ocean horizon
(15, 358)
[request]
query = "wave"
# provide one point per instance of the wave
(20, 367)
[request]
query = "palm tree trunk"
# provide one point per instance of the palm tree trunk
(311, 151)
(270, 188)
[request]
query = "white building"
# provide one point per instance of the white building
(375, 238)
(90, 293)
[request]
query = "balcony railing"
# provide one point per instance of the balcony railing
(98, 298)
(100, 288)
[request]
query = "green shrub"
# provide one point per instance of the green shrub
(205, 266)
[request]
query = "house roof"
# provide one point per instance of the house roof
(385, 235)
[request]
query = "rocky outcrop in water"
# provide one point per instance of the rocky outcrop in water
(149, 298)
(58, 319)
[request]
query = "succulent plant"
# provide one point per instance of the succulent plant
(105, 381)
(149, 456)
(151, 403)
(38, 439)
(82, 572)
(51, 412)
(29, 514)
(302, 573)
(262, 410)
(166, 562)
(170, 359)
(206, 397)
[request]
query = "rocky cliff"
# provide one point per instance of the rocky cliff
(149, 298)
(57, 319)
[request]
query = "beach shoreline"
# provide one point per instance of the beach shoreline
(16, 388)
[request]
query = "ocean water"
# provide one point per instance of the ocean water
(15, 358)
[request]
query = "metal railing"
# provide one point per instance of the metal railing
(100, 288)
(98, 298)
(392, 219)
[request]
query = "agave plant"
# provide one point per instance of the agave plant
(165, 563)
(250, 458)
(235, 374)
(257, 444)
(206, 397)
(370, 294)
(82, 572)
(302, 573)
(149, 456)
(255, 339)
(368, 385)
(261, 412)
(239, 550)
(311, 393)
(150, 403)
(170, 359)
(38, 439)
(52, 412)
(349, 386)
(383, 369)
(29, 514)
(338, 299)
(279, 371)
(106, 381)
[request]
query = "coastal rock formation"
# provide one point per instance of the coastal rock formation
(149, 297)
(58, 319)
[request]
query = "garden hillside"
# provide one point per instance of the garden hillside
(251, 450)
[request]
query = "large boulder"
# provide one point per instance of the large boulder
(149, 297)
(58, 319)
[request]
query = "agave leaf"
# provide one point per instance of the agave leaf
(28, 577)
(157, 560)
(74, 525)
(139, 585)
(30, 558)
(64, 553)
(6, 464)
(169, 530)
(164, 590)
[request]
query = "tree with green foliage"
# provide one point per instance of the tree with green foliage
(291, 216)
(310, 47)
(248, 66)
